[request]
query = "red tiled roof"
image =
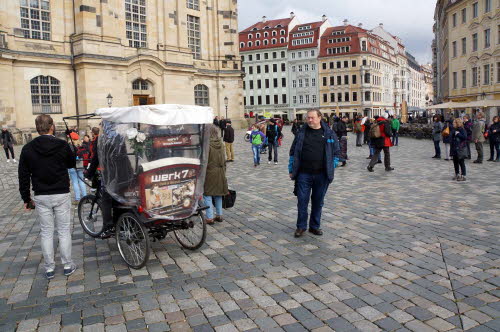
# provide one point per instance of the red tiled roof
(270, 23)
(314, 25)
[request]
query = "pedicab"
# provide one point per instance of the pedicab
(153, 163)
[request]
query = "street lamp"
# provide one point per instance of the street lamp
(110, 99)
(226, 101)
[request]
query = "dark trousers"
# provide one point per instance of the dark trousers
(480, 151)
(494, 146)
(437, 148)
(107, 208)
(459, 164)
(395, 137)
(273, 146)
(7, 149)
(313, 187)
(376, 156)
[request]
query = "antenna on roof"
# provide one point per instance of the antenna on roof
(360, 25)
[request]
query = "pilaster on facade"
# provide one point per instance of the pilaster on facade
(138, 51)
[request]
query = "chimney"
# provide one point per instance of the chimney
(346, 22)
(323, 18)
(292, 14)
(264, 19)
(381, 25)
(360, 25)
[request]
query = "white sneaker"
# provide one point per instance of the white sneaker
(269, 163)
(8, 160)
(14, 160)
(276, 163)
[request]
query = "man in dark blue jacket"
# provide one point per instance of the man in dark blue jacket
(314, 155)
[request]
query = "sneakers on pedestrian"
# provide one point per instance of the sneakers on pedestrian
(379, 162)
(370, 169)
(219, 219)
(69, 270)
(49, 275)
(107, 233)
(276, 163)
(388, 169)
(14, 160)
(8, 160)
(461, 178)
(455, 178)
(477, 161)
(209, 221)
(269, 162)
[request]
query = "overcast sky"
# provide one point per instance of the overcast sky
(411, 20)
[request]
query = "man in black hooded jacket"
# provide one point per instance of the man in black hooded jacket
(45, 162)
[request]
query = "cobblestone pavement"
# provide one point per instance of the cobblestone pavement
(407, 250)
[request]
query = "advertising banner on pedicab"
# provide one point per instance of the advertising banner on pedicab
(170, 190)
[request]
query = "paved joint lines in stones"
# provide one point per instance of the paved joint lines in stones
(451, 284)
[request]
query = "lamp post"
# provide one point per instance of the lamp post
(226, 101)
(110, 99)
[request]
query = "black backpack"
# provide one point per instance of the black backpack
(387, 129)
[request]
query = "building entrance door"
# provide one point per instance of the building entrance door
(143, 100)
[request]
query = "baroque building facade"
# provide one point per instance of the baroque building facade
(64, 57)
(344, 69)
(466, 53)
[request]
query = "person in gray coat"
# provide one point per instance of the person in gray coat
(478, 129)
(437, 128)
(7, 141)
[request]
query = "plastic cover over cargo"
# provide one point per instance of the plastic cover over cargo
(155, 157)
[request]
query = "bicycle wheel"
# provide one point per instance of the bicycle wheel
(133, 241)
(90, 215)
(194, 234)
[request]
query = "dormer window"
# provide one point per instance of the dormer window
(254, 29)
(266, 27)
(279, 26)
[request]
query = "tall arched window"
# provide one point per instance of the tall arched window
(282, 40)
(250, 44)
(257, 43)
(135, 23)
(201, 95)
(45, 95)
(35, 19)
(266, 41)
(242, 45)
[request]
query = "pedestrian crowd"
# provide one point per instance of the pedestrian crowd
(49, 165)
(457, 135)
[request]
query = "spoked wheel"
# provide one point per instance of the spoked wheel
(194, 234)
(247, 137)
(90, 215)
(133, 241)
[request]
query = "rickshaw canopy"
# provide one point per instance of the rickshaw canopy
(158, 115)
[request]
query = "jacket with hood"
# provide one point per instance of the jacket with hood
(45, 162)
(215, 180)
(383, 140)
(229, 133)
(6, 139)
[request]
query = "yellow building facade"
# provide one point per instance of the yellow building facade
(469, 35)
(65, 57)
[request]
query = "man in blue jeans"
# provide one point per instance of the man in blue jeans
(314, 155)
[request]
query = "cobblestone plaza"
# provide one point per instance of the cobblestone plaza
(408, 250)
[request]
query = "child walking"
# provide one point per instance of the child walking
(257, 137)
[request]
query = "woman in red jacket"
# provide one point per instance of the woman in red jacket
(383, 142)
